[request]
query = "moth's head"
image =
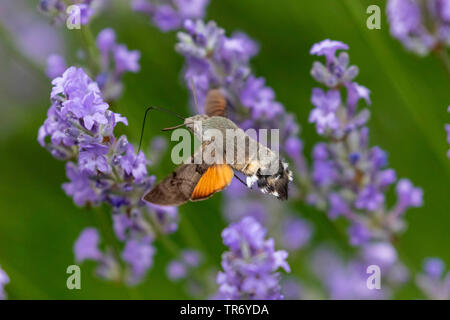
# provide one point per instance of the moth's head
(195, 123)
(275, 184)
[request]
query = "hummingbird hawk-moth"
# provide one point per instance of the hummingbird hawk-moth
(193, 181)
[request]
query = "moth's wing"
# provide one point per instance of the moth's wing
(216, 178)
(216, 104)
(176, 189)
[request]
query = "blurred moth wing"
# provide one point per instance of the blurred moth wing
(215, 104)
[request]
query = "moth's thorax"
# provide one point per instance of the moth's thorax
(200, 124)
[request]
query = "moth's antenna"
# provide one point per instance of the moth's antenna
(145, 117)
(194, 93)
(172, 128)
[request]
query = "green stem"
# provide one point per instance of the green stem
(93, 54)
(170, 246)
(441, 53)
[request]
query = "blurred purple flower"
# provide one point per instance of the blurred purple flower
(176, 270)
(420, 27)
(408, 195)
(165, 217)
(434, 281)
(291, 289)
(86, 246)
(359, 234)
(181, 267)
(115, 60)
(434, 267)
(138, 254)
(345, 280)
(4, 280)
(170, 15)
(369, 198)
(382, 254)
(57, 10)
(56, 65)
(295, 233)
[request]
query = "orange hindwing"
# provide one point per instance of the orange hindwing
(215, 179)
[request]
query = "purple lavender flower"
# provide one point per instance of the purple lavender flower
(326, 106)
(350, 179)
(165, 218)
(126, 60)
(434, 267)
(4, 280)
(337, 71)
(86, 247)
(250, 265)
(328, 48)
(408, 196)
(344, 279)
(382, 254)
(176, 270)
(359, 234)
(170, 14)
(116, 59)
(181, 267)
(347, 279)
(433, 280)
(80, 187)
(420, 27)
(295, 234)
(56, 65)
(134, 165)
(369, 198)
(138, 254)
(57, 10)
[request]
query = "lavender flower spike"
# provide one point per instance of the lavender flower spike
(251, 264)
(350, 178)
(103, 169)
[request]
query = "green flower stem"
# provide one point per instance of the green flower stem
(93, 55)
(442, 55)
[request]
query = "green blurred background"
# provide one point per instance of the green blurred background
(39, 223)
